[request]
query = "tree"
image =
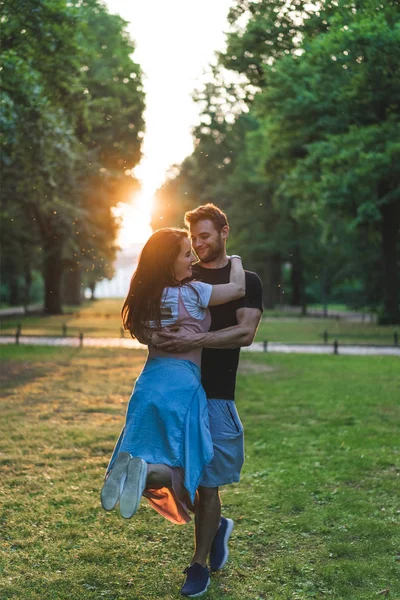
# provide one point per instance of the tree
(32, 114)
(336, 109)
(329, 111)
(72, 109)
(311, 183)
(112, 137)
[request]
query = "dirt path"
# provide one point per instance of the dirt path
(360, 350)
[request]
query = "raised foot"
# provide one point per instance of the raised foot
(110, 491)
(134, 487)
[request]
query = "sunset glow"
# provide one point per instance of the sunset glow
(175, 42)
(135, 216)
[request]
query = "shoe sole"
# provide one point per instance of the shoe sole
(199, 593)
(110, 491)
(229, 529)
(134, 487)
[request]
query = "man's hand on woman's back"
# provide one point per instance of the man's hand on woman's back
(172, 339)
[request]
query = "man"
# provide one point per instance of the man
(233, 325)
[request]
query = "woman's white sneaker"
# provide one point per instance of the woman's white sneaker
(110, 492)
(134, 487)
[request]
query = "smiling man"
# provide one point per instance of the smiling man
(233, 325)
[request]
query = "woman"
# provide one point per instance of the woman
(166, 443)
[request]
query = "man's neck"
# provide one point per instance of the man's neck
(218, 263)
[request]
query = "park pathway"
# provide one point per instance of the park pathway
(89, 342)
(16, 311)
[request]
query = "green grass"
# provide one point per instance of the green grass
(334, 307)
(309, 330)
(283, 311)
(102, 319)
(315, 511)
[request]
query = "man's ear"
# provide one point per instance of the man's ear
(225, 232)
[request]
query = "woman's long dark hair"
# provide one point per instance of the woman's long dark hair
(153, 273)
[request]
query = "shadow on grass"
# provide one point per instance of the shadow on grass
(14, 374)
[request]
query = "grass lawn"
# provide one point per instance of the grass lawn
(102, 319)
(310, 330)
(315, 512)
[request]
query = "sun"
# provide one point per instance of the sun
(135, 218)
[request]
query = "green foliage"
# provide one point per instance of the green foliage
(312, 182)
(334, 129)
(71, 113)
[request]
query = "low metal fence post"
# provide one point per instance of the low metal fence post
(335, 347)
(265, 345)
(81, 340)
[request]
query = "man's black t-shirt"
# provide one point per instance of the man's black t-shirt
(219, 366)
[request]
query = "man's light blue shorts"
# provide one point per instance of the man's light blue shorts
(228, 442)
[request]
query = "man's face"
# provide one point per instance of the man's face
(207, 241)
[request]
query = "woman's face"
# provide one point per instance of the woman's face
(183, 262)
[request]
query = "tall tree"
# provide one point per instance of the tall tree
(111, 135)
(336, 110)
(311, 182)
(72, 108)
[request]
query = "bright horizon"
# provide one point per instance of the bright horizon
(175, 42)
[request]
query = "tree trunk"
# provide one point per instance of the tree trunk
(52, 274)
(72, 285)
(27, 284)
(296, 278)
(298, 297)
(272, 281)
(325, 290)
(92, 287)
(13, 297)
(390, 244)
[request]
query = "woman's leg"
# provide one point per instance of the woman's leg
(158, 476)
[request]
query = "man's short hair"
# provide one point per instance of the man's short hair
(208, 212)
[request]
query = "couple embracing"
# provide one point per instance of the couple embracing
(182, 437)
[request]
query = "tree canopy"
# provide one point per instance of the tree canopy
(301, 149)
(72, 117)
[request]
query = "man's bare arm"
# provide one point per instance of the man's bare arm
(236, 336)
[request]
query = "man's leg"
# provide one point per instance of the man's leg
(207, 519)
(227, 436)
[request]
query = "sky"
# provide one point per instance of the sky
(175, 42)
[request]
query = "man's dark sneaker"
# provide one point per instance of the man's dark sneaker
(134, 487)
(111, 488)
(219, 548)
(197, 581)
